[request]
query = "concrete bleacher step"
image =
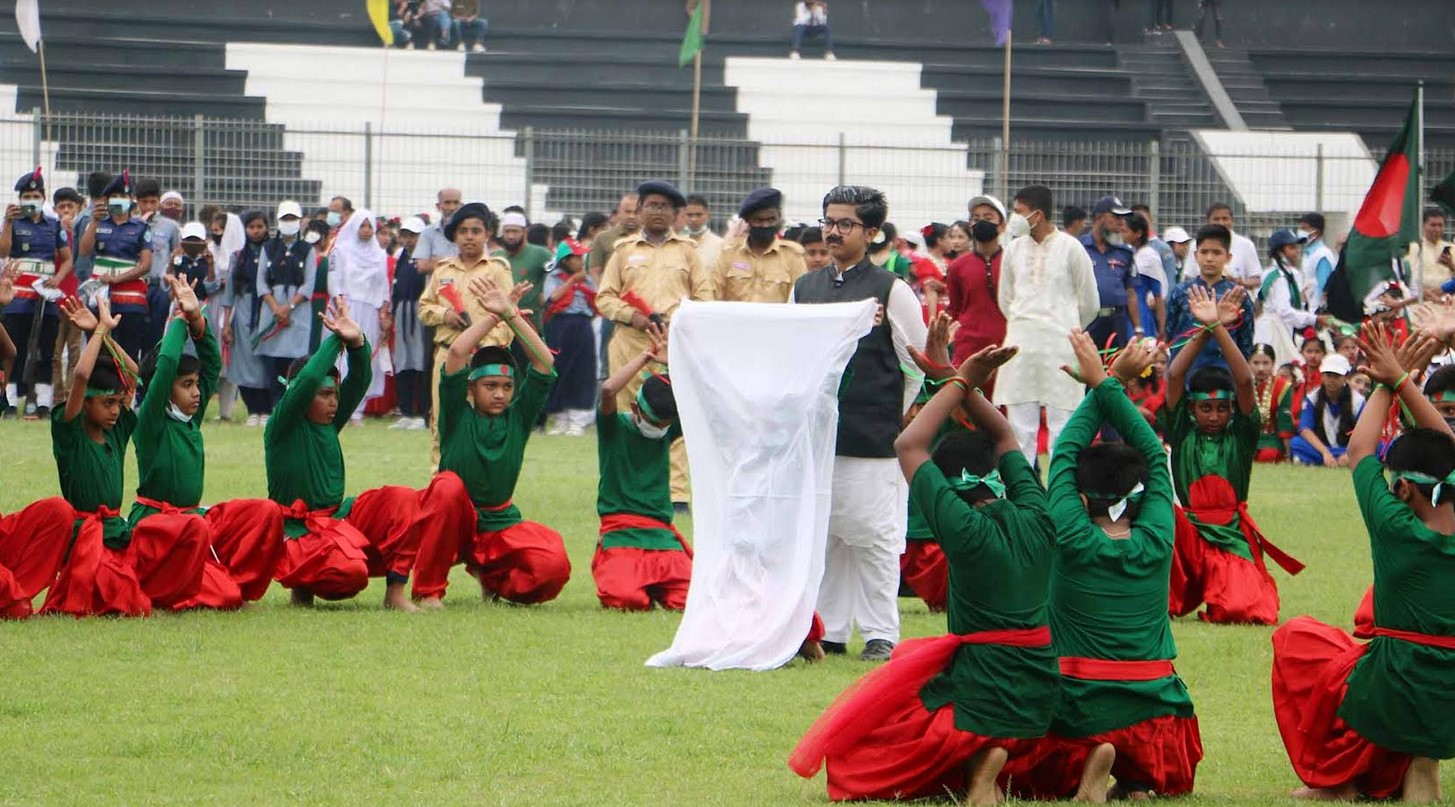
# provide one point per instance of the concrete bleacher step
(181, 55)
(573, 68)
(721, 99)
(153, 21)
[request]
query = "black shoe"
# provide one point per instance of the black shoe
(681, 509)
(835, 648)
(877, 650)
(42, 413)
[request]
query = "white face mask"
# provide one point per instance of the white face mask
(334, 218)
(1018, 226)
(648, 430)
(312, 237)
(288, 228)
(120, 203)
(176, 414)
(1308, 234)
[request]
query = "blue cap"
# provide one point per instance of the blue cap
(473, 210)
(1110, 204)
(761, 199)
(662, 187)
(31, 182)
(1282, 238)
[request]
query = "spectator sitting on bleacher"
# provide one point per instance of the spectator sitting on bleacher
(466, 22)
(811, 18)
(434, 18)
(403, 19)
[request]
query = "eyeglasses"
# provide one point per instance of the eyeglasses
(656, 206)
(843, 225)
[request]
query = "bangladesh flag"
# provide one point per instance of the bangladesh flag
(1387, 222)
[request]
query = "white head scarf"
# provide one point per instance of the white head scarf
(363, 264)
(233, 239)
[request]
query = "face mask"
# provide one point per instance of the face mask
(762, 235)
(648, 430)
(333, 218)
(288, 228)
(1018, 226)
(31, 207)
(118, 204)
(696, 231)
(312, 237)
(217, 238)
(986, 231)
(1308, 234)
(176, 414)
(952, 254)
(172, 213)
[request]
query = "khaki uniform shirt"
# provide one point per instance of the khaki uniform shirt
(601, 248)
(709, 248)
(744, 276)
(661, 275)
(453, 272)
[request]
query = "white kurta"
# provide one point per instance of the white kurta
(756, 388)
(1047, 289)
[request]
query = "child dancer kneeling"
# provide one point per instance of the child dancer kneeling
(484, 426)
(1123, 711)
(641, 558)
(946, 713)
(1213, 431)
(1373, 719)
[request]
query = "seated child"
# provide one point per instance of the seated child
(1213, 431)
(641, 558)
(334, 545)
(1373, 719)
(1327, 417)
(112, 567)
(1123, 710)
(946, 713)
(1274, 395)
(245, 536)
(484, 427)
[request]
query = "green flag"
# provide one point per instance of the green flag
(692, 40)
(1444, 193)
(1389, 219)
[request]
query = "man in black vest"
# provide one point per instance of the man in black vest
(870, 499)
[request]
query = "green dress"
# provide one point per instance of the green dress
(1000, 557)
(170, 459)
(93, 474)
(635, 474)
(1228, 455)
(1399, 694)
(1109, 596)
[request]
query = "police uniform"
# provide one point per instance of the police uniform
(119, 247)
(745, 275)
(40, 245)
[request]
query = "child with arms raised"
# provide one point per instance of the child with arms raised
(946, 713)
(1373, 719)
(1123, 710)
(1213, 431)
(484, 426)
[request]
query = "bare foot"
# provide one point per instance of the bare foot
(1096, 775)
(1346, 793)
(985, 768)
(301, 597)
(430, 604)
(397, 599)
(1422, 781)
(811, 651)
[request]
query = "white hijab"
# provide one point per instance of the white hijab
(233, 238)
(362, 265)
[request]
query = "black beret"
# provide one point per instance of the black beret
(121, 185)
(662, 187)
(473, 210)
(760, 199)
(30, 182)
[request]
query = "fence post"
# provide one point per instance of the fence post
(843, 159)
(36, 138)
(199, 159)
(997, 166)
(369, 164)
(530, 171)
(1154, 176)
(1319, 179)
(684, 158)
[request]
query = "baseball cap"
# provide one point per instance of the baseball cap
(413, 224)
(289, 208)
(1335, 363)
(194, 229)
(1176, 235)
(986, 199)
(1110, 204)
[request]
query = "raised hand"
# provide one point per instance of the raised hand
(1089, 369)
(79, 315)
(941, 334)
(184, 294)
(1440, 319)
(7, 283)
(519, 291)
(1381, 362)
(656, 343)
(1230, 308)
(1134, 359)
(1203, 307)
(492, 298)
(1418, 351)
(343, 324)
(978, 369)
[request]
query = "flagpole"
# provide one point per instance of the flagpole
(45, 89)
(1420, 135)
(1005, 124)
(697, 94)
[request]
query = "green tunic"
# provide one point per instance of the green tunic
(1000, 557)
(487, 451)
(636, 480)
(1109, 596)
(303, 458)
(1228, 455)
(529, 266)
(169, 454)
(93, 474)
(1399, 693)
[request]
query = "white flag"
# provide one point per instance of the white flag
(27, 18)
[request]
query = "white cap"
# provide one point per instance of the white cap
(289, 208)
(170, 195)
(1335, 363)
(1176, 235)
(513, 219)
(914, 237)
(194, 229)
(413, 224)
(987, 200)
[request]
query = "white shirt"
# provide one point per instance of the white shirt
(803, 15)
(1149, 264)
(1279, 301)
(1245, 264)
(709, 247)
(1047, 289)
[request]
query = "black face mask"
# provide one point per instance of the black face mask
(952, 254)
(984, 231)
(217, 238)
(762, 235)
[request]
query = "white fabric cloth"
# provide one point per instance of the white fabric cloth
(868, 519)
(1025, 422)
(358, 269)
(1047, 289)
(1245, 265)
(756, 388)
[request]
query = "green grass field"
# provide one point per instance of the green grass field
(492, 704)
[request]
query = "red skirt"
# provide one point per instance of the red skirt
(1268, 455)
(924, 568)
(161, 567)
(630, 578)
(525, 563)
(33, 545)
(1364, 616)
(1311, 666)
(1235, 589)
(1159, 754)
(329, 560)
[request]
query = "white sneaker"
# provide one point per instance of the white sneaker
(558, 426)
(575, 431)
(418, 425)
(409, 46)
(401, 422)
(830, 57)
(794, 56)
(262, 420)
(460, 47)
(430, 46)
(254, 420)
(477, 48)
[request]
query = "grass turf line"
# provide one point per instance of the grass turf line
(494, 704)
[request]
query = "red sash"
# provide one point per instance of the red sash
(1426, 639)
(166, 508)
(1218, 511)
(613, 522)
(132, 292)
(1098, 669)
(322, 523)
(557, 306)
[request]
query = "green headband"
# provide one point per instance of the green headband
(1444, 396)
(488, 370)
(94, 392)
(328, 382)
(1213, 395)
(1119, 503)
(1425, 479)
(991, 481)
(646, 408)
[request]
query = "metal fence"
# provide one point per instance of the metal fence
(252, 163)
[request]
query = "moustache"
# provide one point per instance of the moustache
(833, 239)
